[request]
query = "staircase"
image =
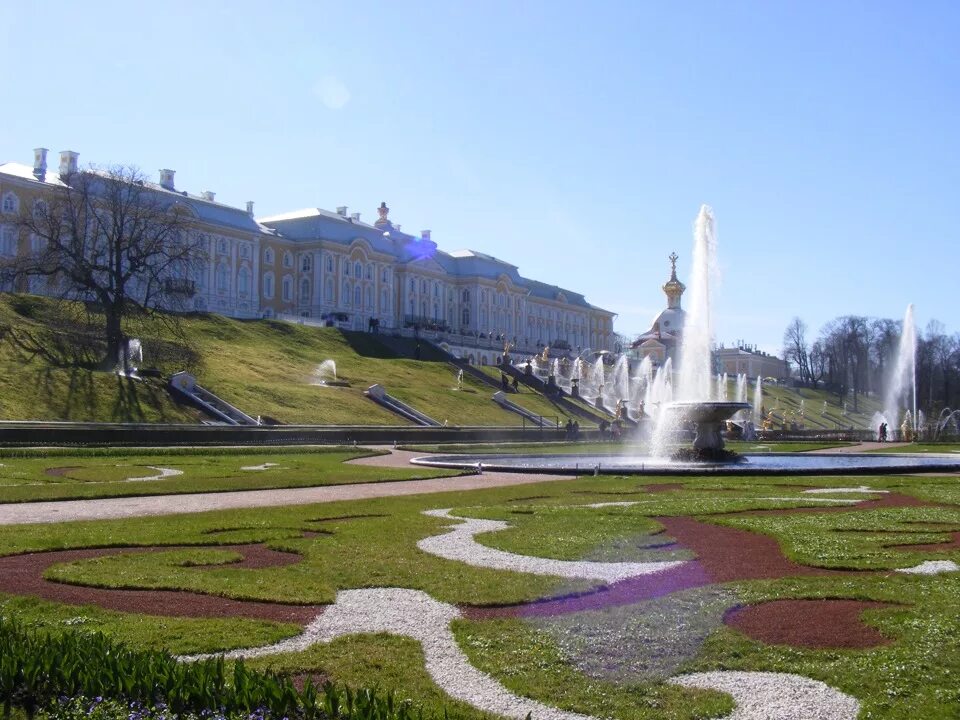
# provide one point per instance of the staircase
(378, 393)
(557, 397)
(185, 385)
(500, 398)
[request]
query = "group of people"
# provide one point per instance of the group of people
(572, 429)
(615, 429)
(882, 432)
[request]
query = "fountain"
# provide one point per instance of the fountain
(901, 390)
(325, 375)
(130, 358)
(677, 407)
(695, 405)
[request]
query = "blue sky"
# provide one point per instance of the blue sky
(575, 140)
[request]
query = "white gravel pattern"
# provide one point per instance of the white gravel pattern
(265, 466)
(860, 489)
(459, 544)
(931, 567)
(164, 473)
(414, 614)
(775, 696)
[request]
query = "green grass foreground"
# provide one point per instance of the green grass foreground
(373, 543)
(29, 476)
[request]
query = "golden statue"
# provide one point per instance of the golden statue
(545, 355)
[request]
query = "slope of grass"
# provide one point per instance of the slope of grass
(263, 367)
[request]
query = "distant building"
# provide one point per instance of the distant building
(329, 267)
(746, 359)
(662, 340)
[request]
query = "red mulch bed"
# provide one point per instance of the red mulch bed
(808, 623)
(952, 544)
(663, 487)
(23, 575)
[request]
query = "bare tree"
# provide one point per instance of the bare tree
(111, 239)
(796, 350)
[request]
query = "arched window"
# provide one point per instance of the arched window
(369, 271)
(413, 285)
(436, 312)
(345, 294)
(200, 273)
(423, 287)
(306, 263)
(328, 292)
(268, 285)
(346, 267)
(268, 256)
(223, 277)
(385, 276)
(243, 282)
(304, 290)
(329, 264)
(287, 288)
(384, 301)
(357, 297)
(465, 318)
(436, 290)
(8, 241)
(11, 203)
(288, 259)
(245, 251)
(40, 209)
(357, 270)
(369, 297)
(222, 246)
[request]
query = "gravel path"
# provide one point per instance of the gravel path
(126, 507)
(460, 544)
(775, 696)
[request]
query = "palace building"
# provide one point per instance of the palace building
(324, 267)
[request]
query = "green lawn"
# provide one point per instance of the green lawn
(373, 543)
(27, 476)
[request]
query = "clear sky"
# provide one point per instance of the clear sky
(574, 140)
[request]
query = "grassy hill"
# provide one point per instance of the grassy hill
(48, 371)
(263, 367)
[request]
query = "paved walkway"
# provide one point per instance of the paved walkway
(858, 448)
(127, 507)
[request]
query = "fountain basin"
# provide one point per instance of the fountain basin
(707, 417)
(759, 464)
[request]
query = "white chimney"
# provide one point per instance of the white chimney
(355, 217)
(166, 179)
(39, 161)
(250, 207)
(208, 195)
(425, 234)
(342, 210)
(68, 162)
(397, 226)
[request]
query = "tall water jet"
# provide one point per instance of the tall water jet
(325, 373)
(741, 388)
(901, 391)
(695, 347)
(758, 400)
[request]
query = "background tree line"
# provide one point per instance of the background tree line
(855, 355)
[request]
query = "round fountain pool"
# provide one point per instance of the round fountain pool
(761, 464)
